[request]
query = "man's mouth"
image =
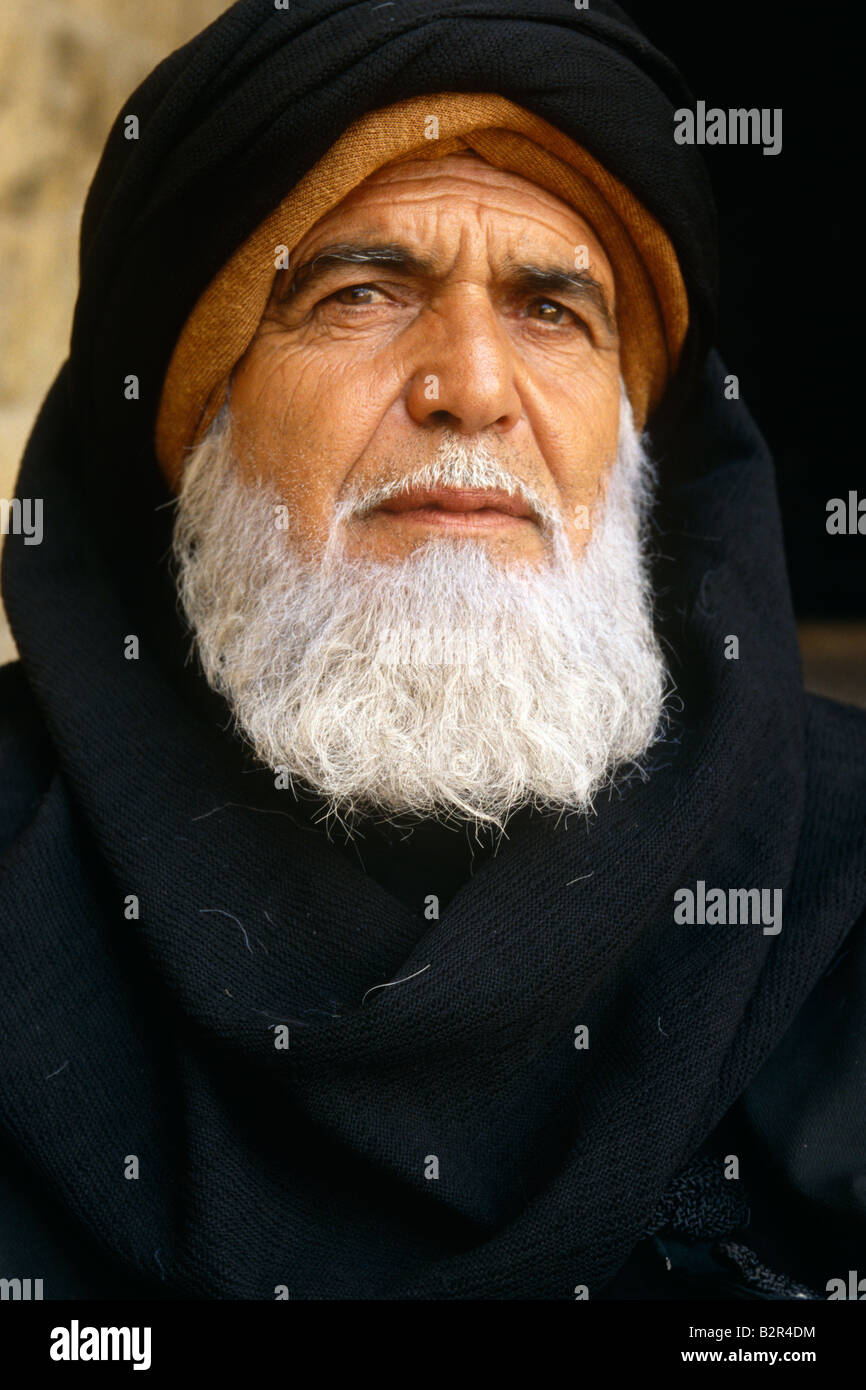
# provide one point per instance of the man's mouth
(457, 508)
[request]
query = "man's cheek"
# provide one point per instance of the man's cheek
(323, 398)
(582, 503)
(576, 414)
(305, 510)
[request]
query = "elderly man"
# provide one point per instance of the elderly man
(475, 915)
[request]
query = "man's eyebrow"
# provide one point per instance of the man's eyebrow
(387, 255)
(393, 255)
(577, 283)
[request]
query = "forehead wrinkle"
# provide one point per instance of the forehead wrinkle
(540, 215)
(417, 242)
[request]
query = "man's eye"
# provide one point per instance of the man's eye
(354, 294)
(548, 311)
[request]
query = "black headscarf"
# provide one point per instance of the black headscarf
(153, 1035)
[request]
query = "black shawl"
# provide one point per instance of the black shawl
(310, 1166)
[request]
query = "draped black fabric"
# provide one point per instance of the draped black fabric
(442, 1137)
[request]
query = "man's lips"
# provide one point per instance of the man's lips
(457, 507)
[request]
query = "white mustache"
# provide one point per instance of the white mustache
(455, 465)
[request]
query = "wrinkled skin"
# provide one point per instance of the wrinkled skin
(353, 374)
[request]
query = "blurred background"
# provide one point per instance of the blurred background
(67, 66)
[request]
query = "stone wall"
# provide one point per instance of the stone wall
(66, 68)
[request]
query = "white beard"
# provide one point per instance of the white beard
(446, 683)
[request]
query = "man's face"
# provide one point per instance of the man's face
(435, 395)
(439, 296)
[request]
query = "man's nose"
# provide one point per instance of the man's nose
(464, 367)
